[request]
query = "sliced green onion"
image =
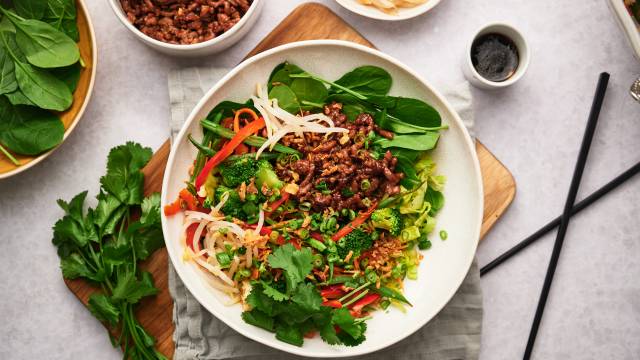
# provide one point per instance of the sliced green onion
(317, 245)
(443, 235)
(356, 298)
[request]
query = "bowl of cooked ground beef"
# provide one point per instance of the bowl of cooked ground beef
(188, 27)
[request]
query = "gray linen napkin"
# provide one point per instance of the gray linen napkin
(453, 334)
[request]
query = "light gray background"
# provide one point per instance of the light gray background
(534, 128)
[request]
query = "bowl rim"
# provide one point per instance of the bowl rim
(352, 5)
(117, 9)
(79, 115)
(629, 26)
(469, 148)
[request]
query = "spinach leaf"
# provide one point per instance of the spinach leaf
(30, 9)
(62, 15)
(309, 92)
(43, 45)
(415, 112)
(390, 122)
(42, 88)
(70, 75)
(28, 130)
(7, 73)
(17, 98)
(228, 109)
(367, 80)
(421, 142)
(287, 99)
(281, 74)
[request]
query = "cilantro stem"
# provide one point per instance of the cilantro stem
(8, 154)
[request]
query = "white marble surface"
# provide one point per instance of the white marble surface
(534, 128)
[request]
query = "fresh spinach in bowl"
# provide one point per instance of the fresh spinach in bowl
(40, 66)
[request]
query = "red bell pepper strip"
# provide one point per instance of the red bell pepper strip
(355, 223)
(283, 198)
(191, 232)
(332, 303)
(317, 236)
(228, 149)
(366, 300)
(333, 291)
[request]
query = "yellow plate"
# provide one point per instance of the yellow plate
(81, 96)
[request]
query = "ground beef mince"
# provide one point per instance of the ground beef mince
(184, 21)
(337, 171)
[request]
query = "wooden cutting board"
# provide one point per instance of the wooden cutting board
(308, 21)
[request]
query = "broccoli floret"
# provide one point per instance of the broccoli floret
(266, 175)
(357, 240)
(388, 219)
(233, 205)
(237, 172)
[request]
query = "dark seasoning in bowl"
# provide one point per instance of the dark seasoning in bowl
(184, 21)
(495, 57)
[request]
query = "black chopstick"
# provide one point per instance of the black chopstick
(595, 196)
(566, 214)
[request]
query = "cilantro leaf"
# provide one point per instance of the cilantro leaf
(348, 340)
(151, 210)
(273, 293)
(352, 333)
(146, 241)
(257, 318)
(74, 207)
(103, 309)
(74, 267)
(297, 264)
(307, 296)
(131, 290)
(108, 213)
(289, 334)
(329, 335)
(258, 300)
(117, 251)
(124, 179)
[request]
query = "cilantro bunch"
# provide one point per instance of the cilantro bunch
(296, 309)
(104, 245)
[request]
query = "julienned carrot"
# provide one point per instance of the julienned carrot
(236, 118)
(188, 198)
(173, 208)
(228, 149)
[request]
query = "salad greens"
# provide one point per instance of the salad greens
(301, 263)
(104, 245)
(40, 67)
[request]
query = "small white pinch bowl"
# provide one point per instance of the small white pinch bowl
(524, 56)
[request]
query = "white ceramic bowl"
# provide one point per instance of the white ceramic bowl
(524, 55)
(212, 46)
(627, 23)
(374, 13)
(445, 265)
